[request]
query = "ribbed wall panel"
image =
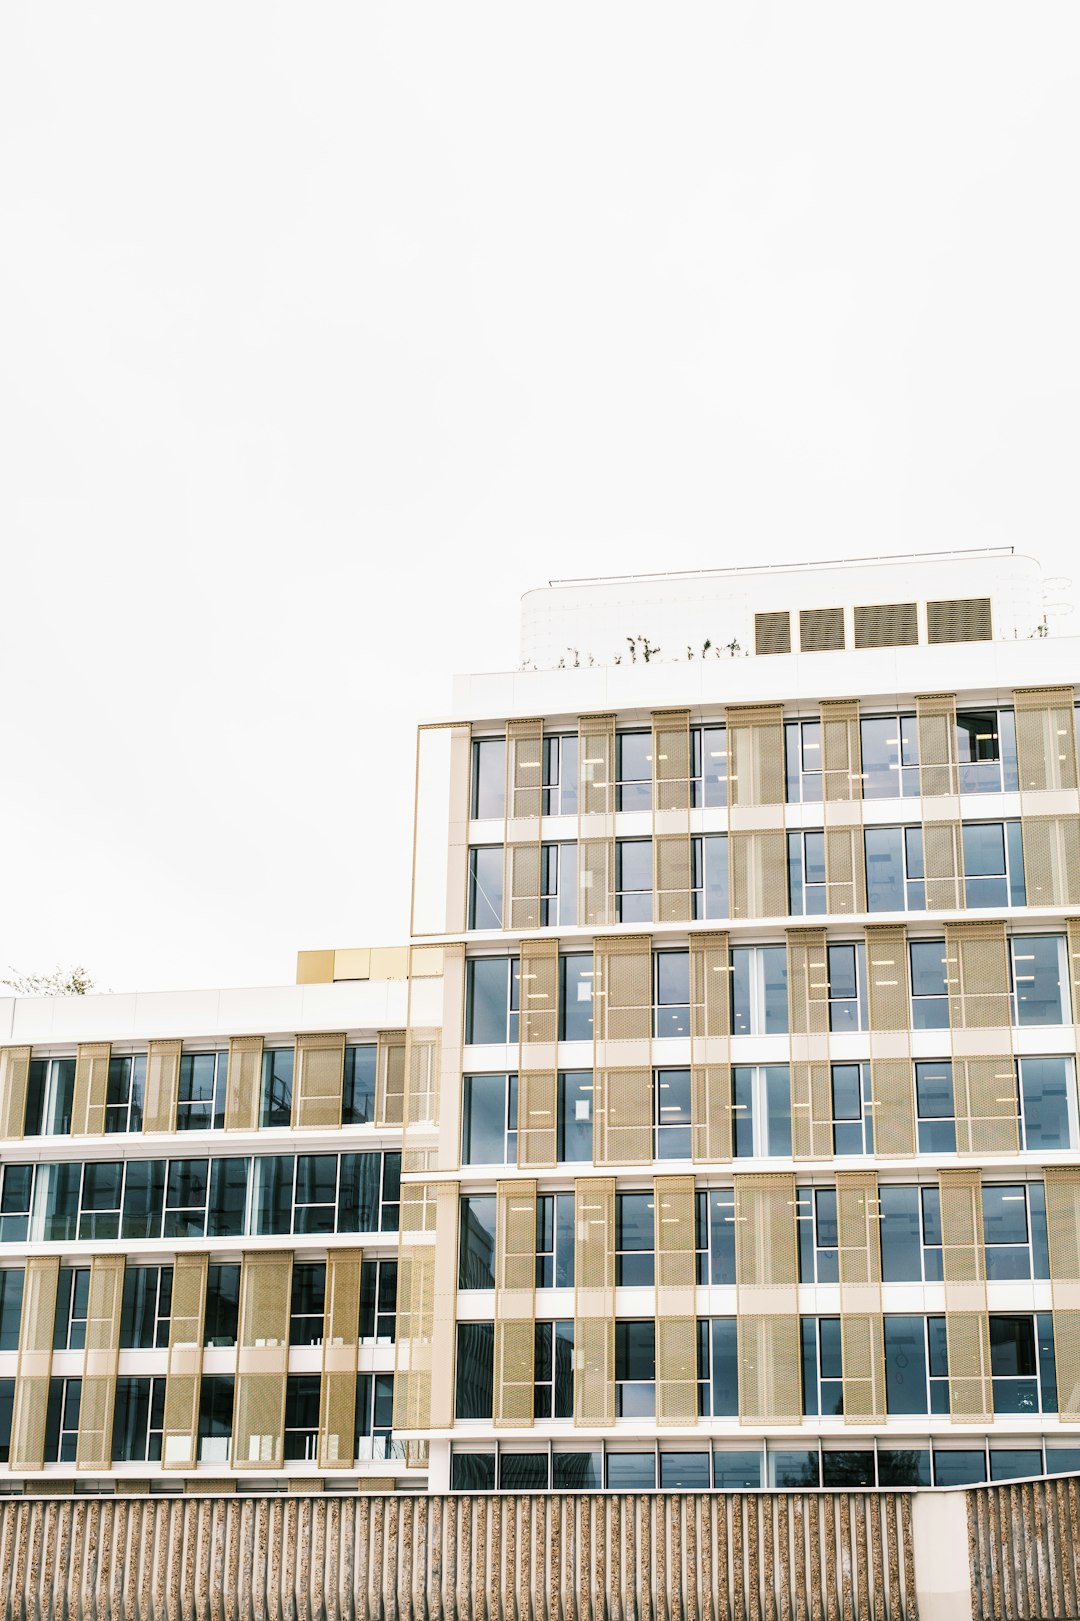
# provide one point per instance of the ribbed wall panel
(594, 1301)
(262, 1360)
(91, 1086)
(244, 1083)
(966, 1322)
(162, 1081)
(757, 863)
(35, 1362)
(515, 1301)
(939, 766)
(762, 1556)
(317, 1081)
(94, 1447)
(341, 1324)
(14, 1075)
(185, 1361)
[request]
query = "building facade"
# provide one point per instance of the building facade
(716, 1131)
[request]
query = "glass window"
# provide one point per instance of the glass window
(823, 1386)
(274, 1178)
(358, 1194)
(709, 876)
(555, 1241)
(1005, 1230)
(99, 1206)
(576, 1471)
(938, 1362)
(186, 1187)
(1062, 1460)
(16, 1190)
(390, 1201)
(738, 1470)
(890, 756)
(575, 996)
(72, 1304)
(895, 877)
(993, 864)
(489, 778)
(476, 1242)
(708, 753)
(905, 1364)
(491, 1000)
(723, 1347)
(633, 880)
(62, 1420)
(558, 885)
(792, 1468)
(146, 1308)
(222, 1305)
(489, 1120)
(847, 987)
(806, 873)
(49, 1094)
(633, 771)
(1045, 1084)
(671, 1096)
(277, 1085)
(1015, 1463)
(631, 1471)
(227, 1213)
(635, 1369)
(929, 987)
(986, 751)
(1013, 1364)
(560, 775)
(315, 1203)
(720, 1206)
(847, 1469)
(934, 1107)
(553, 1370)
(1038, 980)
(901, 1234)
(759, 991)
(475, 1369)
(853, 1109)
(138, 1420)
(575, 1116)
(216, 1395)
(358, 1086)
(671, 993)
(378, 1302)
(200, 1095)
(11, 1293)
(523, 1471)
(472, 1471)
(906, 1466)
(1040, 1253)
(802, 754)
(307, 1306)
(955, 1466)
(761, 1110)
(124, 1093)
(61, 1200)
(144, 1198)
(815, 1212)
(301, 1417)
(486, 886)
(375, 1417)
(635, 1240)
(684, 1472)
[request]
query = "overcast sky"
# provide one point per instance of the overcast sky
(327, 330)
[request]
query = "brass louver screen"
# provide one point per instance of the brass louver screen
(977, 976)
(1063, 1231)
(841, 751)
(889, 1008)
(622, 988)
(888, 990)
(185, 1362)
(966, 619)
(539, 1018)
(522, 885)
(943, 858)
(390, 1078)
(676, 1321)
(444, 1314)
(710, 1036)
(808, 982)
(415, 1322)
(756, 755)
(35, 1362)
(861, 1327)
(262, 1360)
(622, 1116)
(887, 624)
(596, 765)
(14, 1075)
(710, 1103)
(811, 1110)
(317, 1084)
(1052, 860)
(524, 771)
(821, 630)
(893, 1092)
(984, 1072)
(671, 760)
(594, 1301)
(537, 1137)
(1072, 926)
(984, 1091)
(162, 1082)
(243, 1086)
(845, 874)
(91, 1087)
(772, 633)
(423, 1054)
(94, 1445)
(766, 1269)
(341, 1326)
(515, 1302)
(1045, 739)
(967, 1326)
(671, 878)
(758, 869)
(596, 883)
(935, 716)
(710, 988)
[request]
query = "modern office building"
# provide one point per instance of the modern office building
(716, 1132)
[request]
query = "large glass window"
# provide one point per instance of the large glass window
(555, 1241)
(761, 1110)
(635, 1370)
(315, 1198)
(277, 1087)
(671, 994)
(905, 1365)
(575, 1124)
(146, 1308)
(11, 1293)
(759, 991)
(475, 1370)
(553, 1370)
(378, 1302)
(1045, 1085)
(672, 1117)
(709, 886)
(489, 778)
(1014, 1364)
(186, 1189)
(853, 1109)
(895, 876)
(124, 1093)
(1038, 979)
(993, 864)
(491, 1001)
(375, 1417)
(144, 1198)
(227, 1212)
(929, 986)
(358, 1086)
(890, 756)
(560, 774)
(138, 1420)
(307, 1306)
(200, 1096)
(633, 880)
(822, 1370)
(72, 1305)
(633, 771)
(576, 996)
(847, 986)
(216, 1395)
(16, 1191)
(558, 885)
(1009, 1230)
(635, 1240)
(60, 1203)
(476, 1241)
(99, 1206)
(986, 751)
(721, 1340)
(802, 755)
(709, 764)
(806, 873)
(222, 1305)
(62, 1420)
(301, 1417)
(934, 1107)
(815, 1211)
(489, 1120)
(715, 1218)
(49, 1094)
(486, 886)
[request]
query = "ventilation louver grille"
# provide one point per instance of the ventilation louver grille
(772, 633)
(821, 630)
(967, 620)
(887, 624)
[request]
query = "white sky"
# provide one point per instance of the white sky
(327, 330)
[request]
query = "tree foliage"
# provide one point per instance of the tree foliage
(61, 982)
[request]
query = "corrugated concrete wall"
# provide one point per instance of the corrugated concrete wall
(761, 1557)
(1024, 1549)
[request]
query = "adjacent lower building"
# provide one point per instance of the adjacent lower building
(716, 1130)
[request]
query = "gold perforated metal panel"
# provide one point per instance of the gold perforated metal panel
(757, 865)
(423, 1053)
(522, 885)
(841, 753)
(444, 1314)
(887, 624)
(936, 721)
(243, 1085)
(766, 1269)
(845, 874)
(596, 765)
(524, 769)
(412, 1349)
(341, 1325)
(756, 754)
(317, 1082)
(181, 1427)
(710, 988)
(821, 630)
(671, 759)
(966, 1323)
(772, 633)
(1063, 1231)
(676, 1320)
(671, 877)
(537, 1137)
(962, 620)
(892, 1089)
(14, 1075)
(596, 883)
(861, 1327)
(710, 1105)
(622, 988)
(94, 1445)
(888, 989)
(91, 1087)
(390, 1078)
(262, 1360)
(622, 1116)
(594, 1301)
(889, 1012)
(977, 976)
(984, 1095)
(35, 1362)
(515, 1302)
(1072, 926)
(162, 1078)
(539, 1020)
(808, 982)
(811, 1110)
(1051, 860)
(1045, 739)
(943, 858)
